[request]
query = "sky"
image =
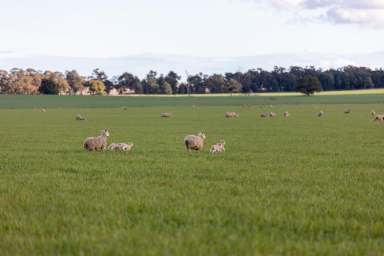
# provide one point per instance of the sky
(100, 28)
(195, 28)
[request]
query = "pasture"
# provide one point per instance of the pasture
(298, 186)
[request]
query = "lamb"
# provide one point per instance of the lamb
(263, 115)
(218, 147)
(321, 113)
(80, 117)
(272, 114)
(121, 147)
(166, 115)
(231, 115)
(97, 143)
(379, 118)
(195, 142)
(286, 114)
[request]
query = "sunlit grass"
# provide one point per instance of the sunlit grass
(297, 186)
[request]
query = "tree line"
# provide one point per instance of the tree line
(306, 80)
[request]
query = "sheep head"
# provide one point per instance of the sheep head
(201, 135)
(105, 132)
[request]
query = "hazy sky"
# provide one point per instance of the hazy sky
(100, 28)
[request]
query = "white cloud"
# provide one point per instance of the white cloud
(362, 12)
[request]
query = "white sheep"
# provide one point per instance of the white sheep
(379, 118)
(272, 114)
(79, 117)
(195, 142)
(97, 143)
(231, 115)
(120, 147)
(218, 147)
(166, 115)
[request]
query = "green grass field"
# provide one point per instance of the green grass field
(298, 186)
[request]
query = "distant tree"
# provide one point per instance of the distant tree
(216, 83)
(308, 85)
(129, 81)
(150, 83)
(173, 80)
(96, 86)
(54, 83)
(166, 88)
(197, 83)
(100, 75)
(75, 81)
(183, 88)
(234, 86)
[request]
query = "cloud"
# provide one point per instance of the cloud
(361, 12)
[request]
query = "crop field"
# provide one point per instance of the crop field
(298, 186)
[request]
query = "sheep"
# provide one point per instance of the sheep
(80, 117)
(231, 115)
(286, 114)
(321, 113)
(272, 114)
(373, 113)
(263, 115)
(218, 147)
(120, 147)
(379, 118)
(43, 110)
(347, 111)
(195, 142)
(166, 115)
(97, 143)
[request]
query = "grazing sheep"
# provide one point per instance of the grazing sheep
(321, 113)
(120, 147)
(231, 115)
(379, 118)
(347, 111)
(373, 113)
(166, 115)
(195, 142)
(80, 117)
(97, 143)
(218, 147)
(272, 114)
(263, 115)
(286, 114)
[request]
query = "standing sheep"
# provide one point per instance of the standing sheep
(218, 147)
(195, 142)
(286, 114)
(272, 114)
(321, 113)
(231, 115)
(97, 143)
